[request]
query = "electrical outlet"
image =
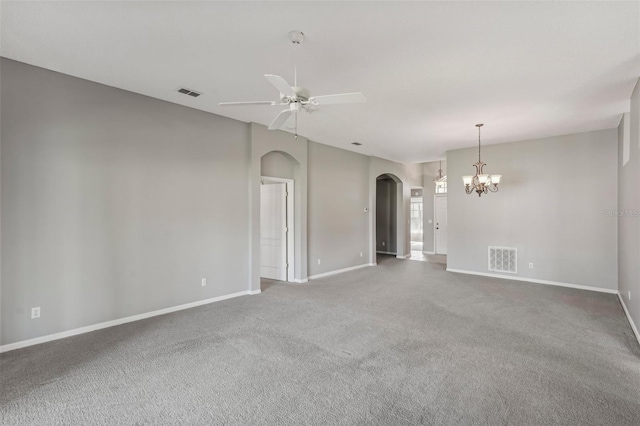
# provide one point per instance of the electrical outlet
(203, 282)
(383, 244)
(35, 313)
(530, 265)
(360, 254)
(318, 261)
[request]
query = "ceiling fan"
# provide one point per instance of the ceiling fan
(297, 98)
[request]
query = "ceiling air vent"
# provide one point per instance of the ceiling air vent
(356, 143)
(189, 92)
(503, 259)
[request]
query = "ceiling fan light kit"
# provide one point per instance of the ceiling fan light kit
(481, 183)
(297, 98)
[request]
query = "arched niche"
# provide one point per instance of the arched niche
(279, 153)
(278, 164)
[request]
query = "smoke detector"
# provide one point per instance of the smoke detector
(296, 37)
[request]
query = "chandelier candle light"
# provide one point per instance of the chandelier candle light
(480, 183)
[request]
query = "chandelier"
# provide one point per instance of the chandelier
(480, 183)
(440, 181)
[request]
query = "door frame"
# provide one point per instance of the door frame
(289, 188)
(435, 238)
(411, 197)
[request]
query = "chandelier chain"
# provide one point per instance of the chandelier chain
(478, 144)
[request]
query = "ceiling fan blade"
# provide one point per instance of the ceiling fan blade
(248, 103)
(281, 119)
(280, 84)
(342, 98)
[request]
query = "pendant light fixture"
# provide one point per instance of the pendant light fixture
(440, 181)
(481, 183)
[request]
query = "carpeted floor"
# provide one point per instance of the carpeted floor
(399, 344)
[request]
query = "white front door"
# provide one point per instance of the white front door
(273, 231)
(441, 224)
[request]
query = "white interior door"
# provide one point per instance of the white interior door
(273, 231)
(440, 224)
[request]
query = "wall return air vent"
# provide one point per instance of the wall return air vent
(503, 259)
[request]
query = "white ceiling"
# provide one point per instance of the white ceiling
(430, 70)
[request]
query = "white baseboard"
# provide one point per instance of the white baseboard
(385, 252)
(428, 252)
(626, 311)
(405, 256)
(252, 292)
(107, 324)
(533, 280)
(302, 281)
(339, 271)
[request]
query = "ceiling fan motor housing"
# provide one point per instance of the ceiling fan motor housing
(302, 95)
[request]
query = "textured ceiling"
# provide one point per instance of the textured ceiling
(430, 70)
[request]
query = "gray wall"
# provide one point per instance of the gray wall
(551, 206)
(386, 215)
(628, 221)
(113, 204)
(338, 195)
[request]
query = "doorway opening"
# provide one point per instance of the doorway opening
(416, 214)
(388, 194)
(276, 228)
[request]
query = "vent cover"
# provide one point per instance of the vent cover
(189, 92)
(503, 259)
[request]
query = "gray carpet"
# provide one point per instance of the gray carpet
(402, 343)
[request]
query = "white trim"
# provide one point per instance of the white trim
(626, 311)
(99, 326)
(252, 292)
(431, 252)
(533, 280)
(302, 281)
(385, 252)
(339, 271)
(276, 179)
(405, 256)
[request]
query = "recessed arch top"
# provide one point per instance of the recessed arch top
(278, 164)
(286, 154)
(391, 176)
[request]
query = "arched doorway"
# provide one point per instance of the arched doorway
(388, 229)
